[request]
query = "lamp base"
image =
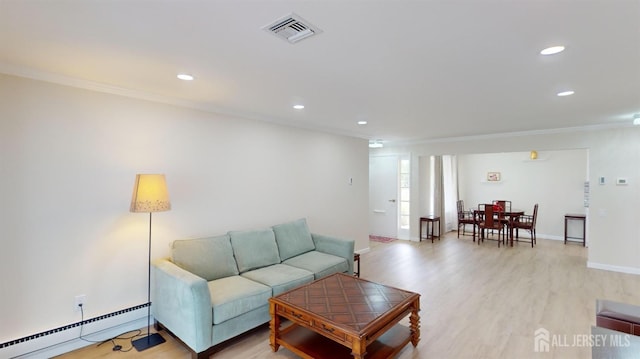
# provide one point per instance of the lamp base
(147, 342)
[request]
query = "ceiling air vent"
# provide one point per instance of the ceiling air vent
(292, 28)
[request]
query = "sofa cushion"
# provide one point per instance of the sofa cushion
(280, 277)
(209, 258)
(293, 238)
(254, 249)
(235, 295)
(320, 264)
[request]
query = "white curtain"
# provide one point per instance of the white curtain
(444, 190)
(449, 192)
(441, 193)
(436, 186)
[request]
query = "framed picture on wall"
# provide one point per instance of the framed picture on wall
(493, 176)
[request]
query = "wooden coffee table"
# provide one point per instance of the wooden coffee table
(342, 316)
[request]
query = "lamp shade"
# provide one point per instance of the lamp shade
(150, 194)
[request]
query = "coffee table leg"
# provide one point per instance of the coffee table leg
(359, 349)
(274, 326)
(414, 320)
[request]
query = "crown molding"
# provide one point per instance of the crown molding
(59, 79)
(21, 71)
(75, 82)
(494, 136)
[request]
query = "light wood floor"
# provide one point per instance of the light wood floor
(477, 301)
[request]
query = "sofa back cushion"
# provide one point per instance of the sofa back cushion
(293, 238)
(209, 258)
(254, 249)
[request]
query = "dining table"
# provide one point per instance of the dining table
(512, 215)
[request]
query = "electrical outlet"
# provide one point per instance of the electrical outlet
(79, 300)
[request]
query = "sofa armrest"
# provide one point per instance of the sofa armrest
(182, 304)
(338, 247)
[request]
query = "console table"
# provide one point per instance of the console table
(430, 220)
(576, 217)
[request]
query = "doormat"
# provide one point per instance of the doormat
(381, 239)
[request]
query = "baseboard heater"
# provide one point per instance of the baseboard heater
(70, 326)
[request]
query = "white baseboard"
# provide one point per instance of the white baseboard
(549, 236)
(621, 269)
(68, 340)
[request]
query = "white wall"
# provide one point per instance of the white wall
(555, 181)
(68, 161)
(612, 226)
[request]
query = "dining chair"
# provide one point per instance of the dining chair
(506, 205)
(490, 217)
(464, 218)
(528, 223)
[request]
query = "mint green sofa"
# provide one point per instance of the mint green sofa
(213, 289)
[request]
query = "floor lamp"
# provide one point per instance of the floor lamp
(149, 195)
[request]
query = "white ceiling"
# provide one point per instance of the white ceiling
(415, 70)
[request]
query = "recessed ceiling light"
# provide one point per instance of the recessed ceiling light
(552, 50)
(362, 122)
(565, 93)
(298, 107)
(185, 77)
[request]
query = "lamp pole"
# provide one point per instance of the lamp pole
(149, 195)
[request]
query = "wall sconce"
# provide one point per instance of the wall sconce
(533, 155)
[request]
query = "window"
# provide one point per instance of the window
(405, 179)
